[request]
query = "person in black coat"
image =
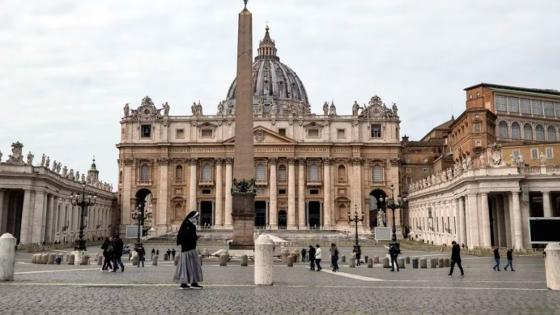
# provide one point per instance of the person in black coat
(456, 258)
(311, 257)
(118, 245)
(189, 270)
(509, 259)
(141, 255)
(108, 250)
(394, 253)
(497, 259)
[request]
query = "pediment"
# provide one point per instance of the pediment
(264, 135)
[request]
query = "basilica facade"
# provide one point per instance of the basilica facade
(311, 169)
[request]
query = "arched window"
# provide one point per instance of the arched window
(341, 174)
(313, 173)
(282, 176)
(527, 132)
(377, 174)
(260, 172)
(551, 133)
(207, 173)
(144, 173)
(515, 131)
(179, 174)
(503, 129)
(539, 133)
(178, 210)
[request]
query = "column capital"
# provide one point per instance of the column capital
(128, 161)
(218, 161)
(163, 161)
(272, 160)
(291, 160)
(357, 160)
(192, 161)
(327, 161)
(301, 160)
(228, 160)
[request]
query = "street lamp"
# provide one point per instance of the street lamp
(391, 204)
(356, 219)
(140, 215)
(83, 200)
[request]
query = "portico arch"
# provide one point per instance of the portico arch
(377, 200)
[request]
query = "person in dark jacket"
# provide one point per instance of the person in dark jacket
(173, 252)
(394, 253)
(509, 259)
(117, 258)
(334, 257)
(153, 254)
(497, 259)
(141, 255)
(358, 254)
(188, 270)
(108, 251)
(303, 254)
(456, 258)
(311, 257)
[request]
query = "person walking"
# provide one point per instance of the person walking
(141, 255)
(108, 251)
(117, 258)
(311, 257)
(303, 254)
(497, 259)
(394, 253)
(334, 257)
(456, 258)
(357, 253)
(153, 254)
(173, 252)
(318, 255)
(509, 255)
(168, 254)
(188, 270)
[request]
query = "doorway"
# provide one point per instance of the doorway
(206, 209)
(314, 217)
(260, 213)
(282, 219)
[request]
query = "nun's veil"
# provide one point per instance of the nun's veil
(182, 234)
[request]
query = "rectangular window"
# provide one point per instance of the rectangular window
(313, 191)
(525, 106)
(180, 133)
(146, 131)
(476, 126)
(536, 107)
(513, 104)
(282, 131)
(557, 109)
(549, 153)
(501, 103)
(206, 133)
(340, 134)
(313, 133)
(281, 191)
(534, 154)
(206, 191)
(376, 131)
(548, 109)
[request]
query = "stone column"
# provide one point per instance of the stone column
(547, 209)
(273, 196)
(3, 210)
(38, 230)
(516, 219)
(356, 186)
(219, 221)
(227, 200)
(291, 194)
(192, 186)
(458, 236)
(485, 220)
(50, 219)
(126, 195)
(507, 226)
(327, 202)
(160, 215)
(301, 194)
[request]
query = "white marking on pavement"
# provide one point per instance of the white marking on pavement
(147, 285)
(352, 276)
(56, 270)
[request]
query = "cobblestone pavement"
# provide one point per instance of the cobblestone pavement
(63, 289)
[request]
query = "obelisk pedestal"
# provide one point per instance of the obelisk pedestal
(243, 188)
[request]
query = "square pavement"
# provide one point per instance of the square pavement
(64, 289)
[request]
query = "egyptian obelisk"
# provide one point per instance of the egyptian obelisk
(243, 191)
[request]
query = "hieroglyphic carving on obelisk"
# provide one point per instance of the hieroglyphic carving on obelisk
(243, 191)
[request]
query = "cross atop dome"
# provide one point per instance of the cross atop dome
(267, 47)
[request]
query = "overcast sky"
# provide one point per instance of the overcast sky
(68, 67)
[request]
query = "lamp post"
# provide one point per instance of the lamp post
(140, 215)
(392, 204)
(356, 219)
(83, 200)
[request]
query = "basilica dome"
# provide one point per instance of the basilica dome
(277, 88)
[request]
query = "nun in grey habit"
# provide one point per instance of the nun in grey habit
(189, 271)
